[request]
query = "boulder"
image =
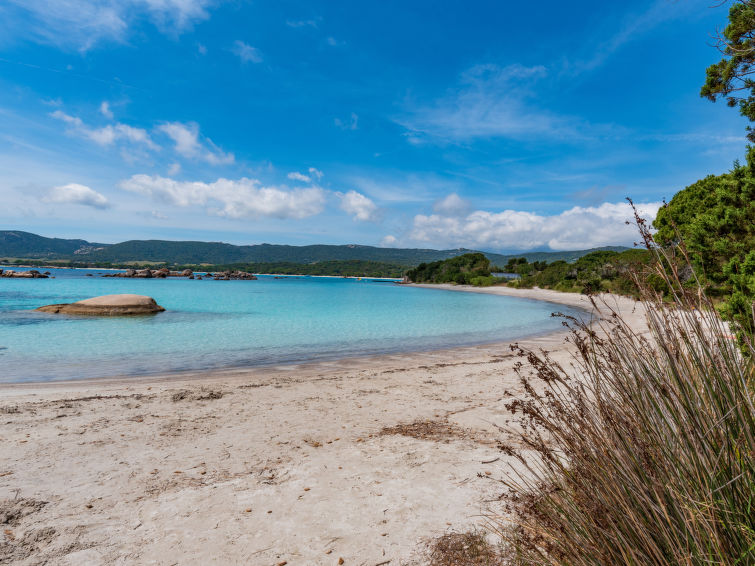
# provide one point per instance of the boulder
(107, 305)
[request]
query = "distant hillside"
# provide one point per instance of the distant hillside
(16, 244)
(28, 245)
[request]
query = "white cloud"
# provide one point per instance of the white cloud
(187, 143)
(105, 110)
(242, 198)
(246, 52)
(174, 169)
(351, 124)
(388, 241)
(333, 42)
(576, 228)
(73, 193)
(313, 175)
(106, 135)
(81, 24)
(452, 205)
(296, 176)
(359, 206)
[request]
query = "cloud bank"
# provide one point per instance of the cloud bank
(576, 228)
(242, 198)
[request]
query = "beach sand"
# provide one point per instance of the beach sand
(362, 459)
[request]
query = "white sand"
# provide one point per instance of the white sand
(259, 466)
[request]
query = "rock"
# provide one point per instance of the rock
(144, 273)
(187, 273)
(234, 275)
(31, 274)
(108, 305)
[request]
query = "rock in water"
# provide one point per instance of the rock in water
(108, 305)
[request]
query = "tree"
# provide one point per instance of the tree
(730, 78)
(716, 219)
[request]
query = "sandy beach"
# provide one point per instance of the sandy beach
(361, 461)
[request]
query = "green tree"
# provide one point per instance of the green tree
(716, 219)
(463, 269)
(730, 78)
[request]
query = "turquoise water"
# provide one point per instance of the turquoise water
(215, 324)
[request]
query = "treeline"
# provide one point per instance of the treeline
(594, 273)
(347, 268)
(467, 269)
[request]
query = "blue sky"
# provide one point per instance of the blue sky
(489, 125)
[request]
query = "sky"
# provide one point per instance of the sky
(498, 126)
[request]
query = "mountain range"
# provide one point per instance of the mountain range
(16, 245)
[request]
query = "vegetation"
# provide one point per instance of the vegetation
(730, 77)
(467, 269)
(352, 268)
(649, 457)
(593, 273)
(715, 218)
(470, 548)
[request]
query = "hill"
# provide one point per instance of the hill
(27, 245)
(24, 245)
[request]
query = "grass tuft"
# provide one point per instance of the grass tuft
(463, 549)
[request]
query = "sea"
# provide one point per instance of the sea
(210, 324)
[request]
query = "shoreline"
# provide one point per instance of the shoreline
(362, 459)
(572, 300)
(396, 279)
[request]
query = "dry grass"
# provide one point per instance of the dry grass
(463, 549)
(649, 457)
(438, 431)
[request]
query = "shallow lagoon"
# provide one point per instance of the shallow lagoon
(219, 324)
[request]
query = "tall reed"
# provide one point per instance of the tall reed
(645, 455)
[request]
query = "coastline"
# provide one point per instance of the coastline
(303, 463)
